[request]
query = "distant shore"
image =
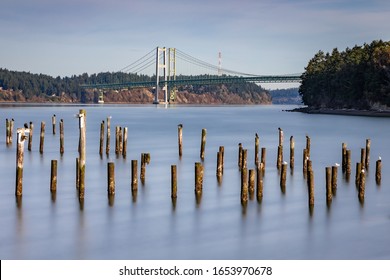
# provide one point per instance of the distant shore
(347, 112)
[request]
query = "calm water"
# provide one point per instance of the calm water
(281, 227)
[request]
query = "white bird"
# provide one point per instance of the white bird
(336, 164)
(380, 158)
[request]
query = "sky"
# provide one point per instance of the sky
(264, 37)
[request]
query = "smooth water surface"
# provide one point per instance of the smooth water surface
(150, 226)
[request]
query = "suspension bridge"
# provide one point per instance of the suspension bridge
(163, 69)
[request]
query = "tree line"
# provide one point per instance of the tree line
(357, 78)
(40, 85)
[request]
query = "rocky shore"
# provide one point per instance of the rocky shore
(348, 112)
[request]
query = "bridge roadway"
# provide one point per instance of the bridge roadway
(202, 80)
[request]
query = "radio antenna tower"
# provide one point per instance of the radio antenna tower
(219, 64)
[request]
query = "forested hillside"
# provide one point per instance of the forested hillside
(357, 78)
(26, 87)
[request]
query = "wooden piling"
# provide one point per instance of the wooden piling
(259, 177)
(101, 143)
(120, 141)
(219, 165)
(263, 156)
(117, 140)
(344, 157)
(145, 159)
(292, 152)
(358, 171)
(62, 149)
(222, 151)
(42, 137)
(280, 157)
(11, 130)
(7, 131)
(349, 163)
(173, 181)
(283, 177)
(244, 158)
(134, 175)
(329, 193)
(108, 136)
(203, 144)
(308, 145)
(362, 185)
(378, 171)
(304, 162)
(257, 144)
(251, 184)
(363, 157)
(368, 148)
(244, 185)
(334, 176)
(53, 176)
(198, 178)
(30, 136)
(180, 139)
(111, 178)
(311, 188)
(53, 121)
(124, 145)
(240, 156)
(281, 136)
(82, 155)
(19, 161)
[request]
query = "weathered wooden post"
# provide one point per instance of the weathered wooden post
(180, 139)
(362, 185)
(363, 157)
(244, 163)
(329, 193)
(11, 131)
(251, 183)
(292, 152)
(117, 140)
(21, 137)
(145, 159)
(173, 181)
(281, 137)
(259, 178)
(240, 156)
(120, 141)
(82, 155)
(334, 176)
(203, 144)
(349, 163)
(257, 144)
(244, 185)
(53, 176)
(125, 136)
(358, 171)
(62, 137)
(7, 131)
(308, 145)
(198, 178)
(368, 148)
(101, 138)
(263, 156)
(134, 175)
(219, 166)
(304, 163)
(30, 136)
(53, 121)
(378, 171)
(344, 157)
(111, 178)
(311, 189)
(108, 135)
(280, 157)
(283, 177)
(42, 137)
(222, 151)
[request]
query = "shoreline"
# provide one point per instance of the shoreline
(345, 112)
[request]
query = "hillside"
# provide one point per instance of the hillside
(26, 87)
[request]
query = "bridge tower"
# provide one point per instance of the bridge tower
(172, 73)
(161, 63)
